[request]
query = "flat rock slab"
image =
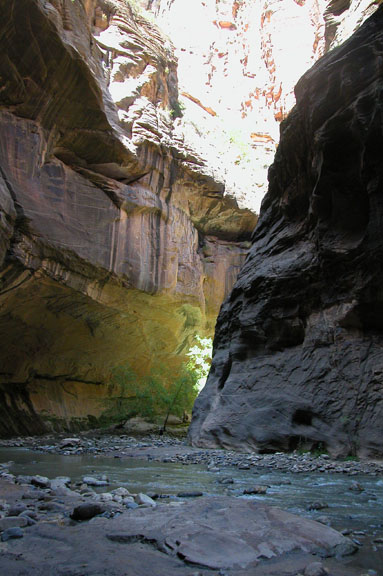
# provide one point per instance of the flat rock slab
(207, 535)
(224, 532)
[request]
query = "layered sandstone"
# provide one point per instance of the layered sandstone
(117, 244)
(298, 352)
(239, 61)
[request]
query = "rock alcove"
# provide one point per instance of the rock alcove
(129, 195)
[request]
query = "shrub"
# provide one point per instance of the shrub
(155, 395)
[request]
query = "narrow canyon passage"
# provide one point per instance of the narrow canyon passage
(190, 188)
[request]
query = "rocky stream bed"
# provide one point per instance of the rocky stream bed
(114, 504)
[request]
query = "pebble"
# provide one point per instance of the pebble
(52, 507)
(144, 499)
(324, 520)
(281, 461)
(60, 482)
(195, 494)
(16, 510)
(121, 491)
(105, 497)
(317, 506)
(69, 442)
(356, 487)
(11, 533)
(30, 513)
(315, 569)
(131, 505)
(23, 479)
(40, 481)
(256, 490)
(91, 481)
(30, 521)
(12, 522)
(36, 495)
(87, 511)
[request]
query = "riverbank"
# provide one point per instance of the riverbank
(145, 501)
(173, 448)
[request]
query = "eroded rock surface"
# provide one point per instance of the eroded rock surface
(211, 533)
(117, 245)
(239, 61)
(298, 358)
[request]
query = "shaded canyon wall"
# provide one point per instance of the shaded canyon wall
(298, 350)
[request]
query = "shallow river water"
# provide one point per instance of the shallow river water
(347, 509)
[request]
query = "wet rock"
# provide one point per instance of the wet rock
(356, 487)
(12, 533)
(256, 490)
(317, 506)
(87, 511)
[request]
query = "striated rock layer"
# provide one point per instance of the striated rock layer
(117, 245)
(238, 63)
(298, 352)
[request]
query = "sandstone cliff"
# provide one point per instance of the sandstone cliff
(238, 63)
(298, 359)
(117, 245)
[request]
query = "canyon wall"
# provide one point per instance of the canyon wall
(128, 195)
(238, 63)
(117, 244)
(298, 350)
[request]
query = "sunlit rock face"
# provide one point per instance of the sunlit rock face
(239, 61)
(298, 359)
(117, 244)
